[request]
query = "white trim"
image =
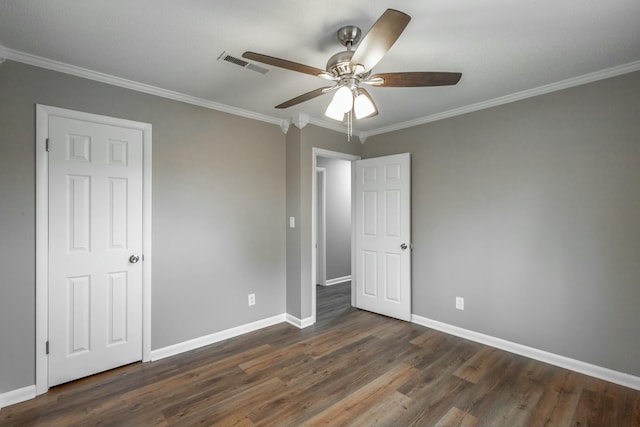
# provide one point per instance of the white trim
(16, 396)
(147, 257)
(337, 280)
(315, 152)
(284, 126)
(300, 323)
(300, 120)
(606, 374)
(195, 343)
(85, 73)
(43, 112)
(42, 249)
(321, 241)
(529, 93)
(334, 154)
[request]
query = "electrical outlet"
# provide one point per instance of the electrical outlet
(460, 303)
(252, 299)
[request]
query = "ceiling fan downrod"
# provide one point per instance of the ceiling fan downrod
(349, 35)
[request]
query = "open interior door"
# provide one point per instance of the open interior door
(382, 228)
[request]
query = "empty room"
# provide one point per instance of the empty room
(333, 213)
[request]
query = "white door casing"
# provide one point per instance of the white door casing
(383, 235)
(321, 237)
(95, 214)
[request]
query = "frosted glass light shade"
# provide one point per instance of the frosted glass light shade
(341, 103)
(343, 99)
(333, 113)
(363, 106)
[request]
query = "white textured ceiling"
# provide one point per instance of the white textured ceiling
(501, 46)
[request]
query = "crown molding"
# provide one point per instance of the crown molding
(61, 67)
(300, 121)
(38, 61)
(284, 126)
(518, 96)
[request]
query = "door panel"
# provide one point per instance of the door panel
(383, 225)
(79, 314)
(95, 225)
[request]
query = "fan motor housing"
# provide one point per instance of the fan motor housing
(340, 63)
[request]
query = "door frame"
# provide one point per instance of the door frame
(315, 153)
(321, 243)
(43, 112)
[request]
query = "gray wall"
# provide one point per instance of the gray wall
(218, 208)
(338, 216)
(531, 212)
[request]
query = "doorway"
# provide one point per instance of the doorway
(331, 224)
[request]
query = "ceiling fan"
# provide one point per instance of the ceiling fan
(350, 69)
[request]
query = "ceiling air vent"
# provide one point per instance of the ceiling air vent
(242, 63)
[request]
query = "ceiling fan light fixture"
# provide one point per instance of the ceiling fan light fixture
(351, 68)
(363, 106)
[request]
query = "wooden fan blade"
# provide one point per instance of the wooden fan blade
(287, 65)
(415, 79)
(304, 97)
(380, 38)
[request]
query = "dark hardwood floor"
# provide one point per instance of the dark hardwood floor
(351, 368)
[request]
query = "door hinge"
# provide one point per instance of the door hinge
(47, 145)
(46, 347)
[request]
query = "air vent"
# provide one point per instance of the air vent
(242, 63)
(235, 60)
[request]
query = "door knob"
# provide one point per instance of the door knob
(134, 258)
(403, 246)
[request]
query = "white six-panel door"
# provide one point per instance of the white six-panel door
(383, 235)
(95, 226)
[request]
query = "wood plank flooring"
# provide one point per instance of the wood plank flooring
(351, 368)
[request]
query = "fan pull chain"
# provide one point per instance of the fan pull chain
(349, 125)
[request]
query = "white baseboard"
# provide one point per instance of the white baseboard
(16, 396)
(606, 374)
(337, 280)
(300, 323)
(172, 350)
